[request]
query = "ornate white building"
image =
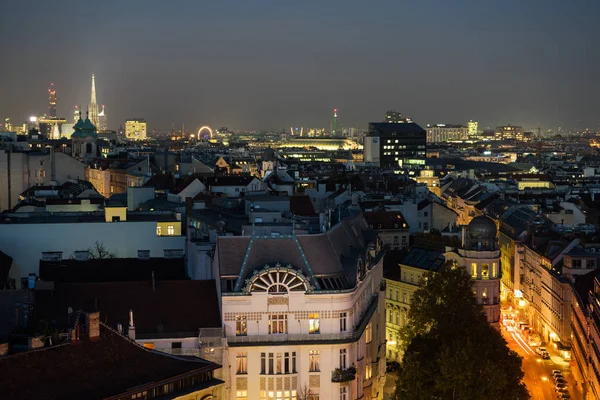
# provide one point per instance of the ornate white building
(480, 256)
(303, 315)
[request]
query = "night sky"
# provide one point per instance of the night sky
(264, 64)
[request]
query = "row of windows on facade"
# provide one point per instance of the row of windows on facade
(285, 363)
(278, 323)
(394, 294)
(485, 271)
(313, 394)
(170, 230)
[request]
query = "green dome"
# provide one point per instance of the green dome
(84, 128)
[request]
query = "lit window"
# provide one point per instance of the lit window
(170, 230)
(485, 270)
(368, 333)
(277, 323)
(368, 369)
(313, 361)
(278, 363)
(158, 231)
(474, 270)
(242, 363)
(494, 270)
(240, 325)
(241, 395)
(313, 323)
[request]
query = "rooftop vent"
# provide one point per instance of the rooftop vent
(143, 254)
(82, 255)
(52, 255)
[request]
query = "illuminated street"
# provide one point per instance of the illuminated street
(538, 377)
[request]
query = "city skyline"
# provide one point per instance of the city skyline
(526, 64)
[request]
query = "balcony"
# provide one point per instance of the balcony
(343, 375)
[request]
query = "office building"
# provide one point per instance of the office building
(303, 314)
(440, 133)
(135, 129)
(395, 144)
(509, 132)
(102, 121)
(472, 128)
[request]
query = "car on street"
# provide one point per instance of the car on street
(556, 372)
(540, 350)
(560, 380)
(560, 386)
(562, 391)
(563, 396)
(546, 355)
(392, 366)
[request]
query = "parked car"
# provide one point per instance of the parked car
(564, 396)
(563, 391)
(556, 372)
(392, 366)
(546, 355)
(560, 380)
(557, 377)
(560, 386)
(540, 350)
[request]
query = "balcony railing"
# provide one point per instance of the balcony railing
(343, 375)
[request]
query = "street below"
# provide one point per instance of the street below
(538, 372)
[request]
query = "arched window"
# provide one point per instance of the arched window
(278, 281)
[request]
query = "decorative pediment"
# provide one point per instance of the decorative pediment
(277, 280)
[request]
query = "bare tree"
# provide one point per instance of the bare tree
(99, 252)
(304, 393)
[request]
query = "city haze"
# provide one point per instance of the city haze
(267, 64)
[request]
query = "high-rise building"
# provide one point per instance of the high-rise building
(76, 114)
(135, 129)
(102, 120)
(93, 106)
(393, 144)
(472, 128)
(440, 133)
(52, 101)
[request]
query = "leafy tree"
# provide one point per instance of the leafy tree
(451, 351)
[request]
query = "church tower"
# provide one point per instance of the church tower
(93, 107)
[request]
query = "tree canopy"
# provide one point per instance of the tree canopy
(451, 352)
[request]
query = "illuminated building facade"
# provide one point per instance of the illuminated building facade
(93, 106)
(52, 101)
(135, 129)
(395, 144)
(480, 257)
(394, 117)
(297, 319)
(441, 133)
(46, 126)
(472, 128)
(509, 132)
(102, 121)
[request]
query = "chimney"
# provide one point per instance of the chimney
(131, 330)
(93, 325)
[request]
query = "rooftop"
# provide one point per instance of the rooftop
(98, 369)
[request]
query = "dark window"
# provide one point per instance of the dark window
(88, 148)
(116, 218)
(175, 345)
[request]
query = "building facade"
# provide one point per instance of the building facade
(391, 144)
(303, 315)
(480, 257)
(135, 129)
(441, 133)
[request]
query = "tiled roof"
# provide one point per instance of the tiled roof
(430, 260)
(167, 307)
(386, 220)
(108, 366)
(229, 181)
(335, 252)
